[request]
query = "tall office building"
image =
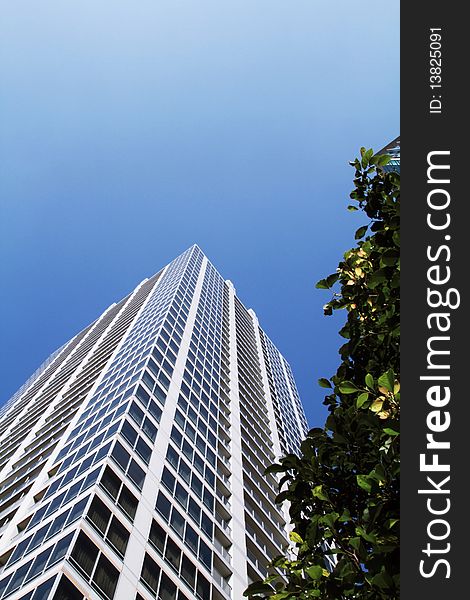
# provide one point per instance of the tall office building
(132, 462)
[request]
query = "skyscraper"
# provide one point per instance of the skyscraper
(132, 462)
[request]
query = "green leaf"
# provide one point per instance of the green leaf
(329, 519)
(391, 432)
(364, 482)
(295, 537)
(348, 387)
(322, 285)
(382, 580)
(362, 398)
(384, 159)
(332, 279)
(355, 542)
(370, 381)
(314, 572)
(377, 278)
(369, 537)
(360, 233)
(324, 383)
(387, 380)
(346, 516)
(258, 588)
(317, 492)
(352, 208)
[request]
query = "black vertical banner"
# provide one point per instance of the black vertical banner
(435, 268)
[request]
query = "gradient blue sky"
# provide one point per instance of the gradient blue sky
(133, 129)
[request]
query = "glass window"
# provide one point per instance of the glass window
(53, 487)
(17, 578)
(3, 584)
(191, 538)
(155, 411)
(136, 474)
(196, 486)
(150, 573)
(111, 483)
(128, 502)
(120, 456)
(168, 479)
(40, 563)
(118, 536)
(210, 477)
(66, 591)
(173, 554)
(208, 500)
(167, 588)
(60, 549)
(203, 589)
(184, 471)
(91, 479)
(149, 429)
(199, 464)
(99, 515)
(176, 436)
(207, 525)
(57, 524)
(188, 571)
(205, 554)
(77, 510)
(19, 551)
(85, 554)
(177, 522)
(188, 450)
(129, 433)
(42, 592)
(54, 505)
(102, 452)
(136, 413)
(163, 506)
(148, 380)
(106, 576)
(142, 395)
(38, 537)
(157, 536)
(143, 450)
(194, 510)
(181, 494)
(86, 464)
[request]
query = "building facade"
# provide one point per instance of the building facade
(132, 462)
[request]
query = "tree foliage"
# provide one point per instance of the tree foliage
(344, 487)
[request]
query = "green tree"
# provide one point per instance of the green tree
(344, 487)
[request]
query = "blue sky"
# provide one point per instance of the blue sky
(131, 130)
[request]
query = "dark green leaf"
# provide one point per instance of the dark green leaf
(360, 233)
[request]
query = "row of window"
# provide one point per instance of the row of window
(195, 484)
(128, 465)
(119, 493)
(94, 567)
(176, 460)
(35, 567)
(64, 498)
(45, 533)
(108, 526)
(136, 442)
(64, 591)
(190, 506)
(161, 586)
